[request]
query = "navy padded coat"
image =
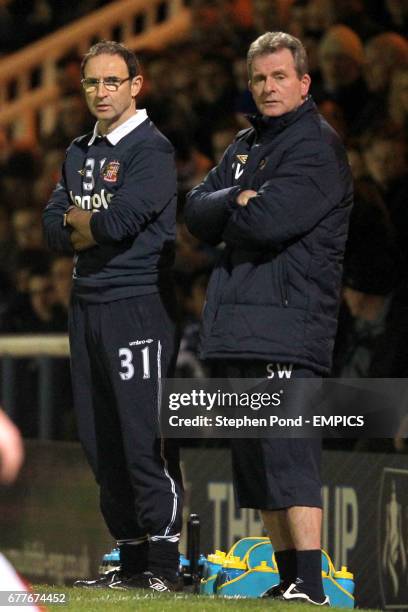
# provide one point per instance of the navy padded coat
(274, 292)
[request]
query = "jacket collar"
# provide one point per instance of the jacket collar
(269, 126)
(123, 129)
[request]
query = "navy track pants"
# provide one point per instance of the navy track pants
(120, 350)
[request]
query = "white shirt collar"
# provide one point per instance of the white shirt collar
(123, 129)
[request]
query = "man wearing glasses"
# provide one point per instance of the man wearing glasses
(114, 208)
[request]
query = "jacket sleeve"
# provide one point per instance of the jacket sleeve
(305, 187)
(208, 205)
(57, 237)
(149, 184)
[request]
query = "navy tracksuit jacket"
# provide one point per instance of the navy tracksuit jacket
(123, 334)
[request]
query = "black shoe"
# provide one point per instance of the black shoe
(295, 593)
(102, 582)
(148, 581)
(277, 590)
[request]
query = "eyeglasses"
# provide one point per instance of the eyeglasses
(110, 83)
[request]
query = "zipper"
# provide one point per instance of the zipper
(283, 283)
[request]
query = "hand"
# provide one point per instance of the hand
(244, 196)
(11, 450)
(81, 241)
(78, 218)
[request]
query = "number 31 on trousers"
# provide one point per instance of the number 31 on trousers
(128, 369)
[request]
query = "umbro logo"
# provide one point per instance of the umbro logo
(157, 584)
(81, 172)
(138, 342)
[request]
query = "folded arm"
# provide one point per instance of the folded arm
(149, 185)
(303, 190)
(57, 234)
(208, 205)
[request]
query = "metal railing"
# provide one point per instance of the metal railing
(42, 348)
(29, 85)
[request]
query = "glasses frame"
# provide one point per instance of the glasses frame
(97, 82)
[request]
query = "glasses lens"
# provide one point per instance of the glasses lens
(89, 84)
(112, 84)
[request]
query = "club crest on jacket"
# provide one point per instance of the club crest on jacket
(110, 172)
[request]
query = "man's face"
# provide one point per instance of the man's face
(338, 69)
(400, 89)
(385, 161)
(275, 85)
(355, 301)
(27, 229)
(41, 294)
(111, 108)
(377, 68)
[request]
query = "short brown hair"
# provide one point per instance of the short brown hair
(270, 42)
(110, 47)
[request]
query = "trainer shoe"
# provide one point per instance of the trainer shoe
(294, 593)
(277, 590)
(102, 582)
(146, 580)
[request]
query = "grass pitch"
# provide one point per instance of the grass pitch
(82, 600)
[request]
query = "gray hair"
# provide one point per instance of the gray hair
(270, 42)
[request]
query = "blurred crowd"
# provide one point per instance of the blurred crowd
(25, 21)
(197, 94)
